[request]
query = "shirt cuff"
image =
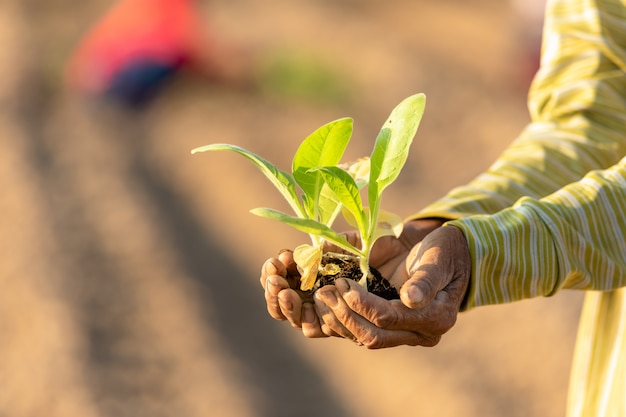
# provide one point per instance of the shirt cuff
(513, 255)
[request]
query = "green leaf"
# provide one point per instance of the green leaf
(282, 180)
(309, 226)
(394, 140)
(328, 206)
(392, 147)
(324, 147)
(347, 191)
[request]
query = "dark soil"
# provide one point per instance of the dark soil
(348, 267)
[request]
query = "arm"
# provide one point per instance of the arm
(574, 238)
(578, 107)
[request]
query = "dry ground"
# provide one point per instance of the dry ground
(129, 269)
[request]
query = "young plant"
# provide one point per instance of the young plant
(318, 189)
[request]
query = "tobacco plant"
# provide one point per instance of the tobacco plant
(319, 188)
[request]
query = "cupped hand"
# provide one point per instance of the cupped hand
(280, 278)
(438, 271)
(281, 281)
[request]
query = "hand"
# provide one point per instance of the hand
(280, 278)
(438, 272)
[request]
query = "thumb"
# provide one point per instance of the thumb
(426, 275)
(420, 290)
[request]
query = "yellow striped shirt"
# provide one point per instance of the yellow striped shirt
(550, 213)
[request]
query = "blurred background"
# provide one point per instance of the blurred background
(129, 269)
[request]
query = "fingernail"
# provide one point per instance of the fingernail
(415, 295)
(342, 286)
(328, 297)
(269, 268)
(272, 287)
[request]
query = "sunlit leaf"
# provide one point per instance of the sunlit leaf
(328, 205)
(392, 146)
(308, 226)
(346, 190)
(324, 147)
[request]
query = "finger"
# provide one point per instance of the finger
(285, 256)
(371, 336)
(326, 300)
(420, 290)
(366, 304)
(291, 307)
(427, 325)
(382, 338)
(440, 260)
(426, 278)
(274, 284)
(365, 330)
(385, 314)
(342, 321)
(311, 327)
(272, 266)
(437, 317)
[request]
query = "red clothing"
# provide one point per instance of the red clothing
(164, 32)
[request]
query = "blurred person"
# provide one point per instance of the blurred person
(548, 215)
(137, 46)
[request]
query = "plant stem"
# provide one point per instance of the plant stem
(364, 263)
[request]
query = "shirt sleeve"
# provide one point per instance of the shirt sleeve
(577, 108)
(574, 238)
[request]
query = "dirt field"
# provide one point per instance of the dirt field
(129, 269)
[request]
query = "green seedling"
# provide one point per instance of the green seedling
(318, 188)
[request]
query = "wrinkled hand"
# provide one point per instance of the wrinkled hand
(437, 272)
(280, 278)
